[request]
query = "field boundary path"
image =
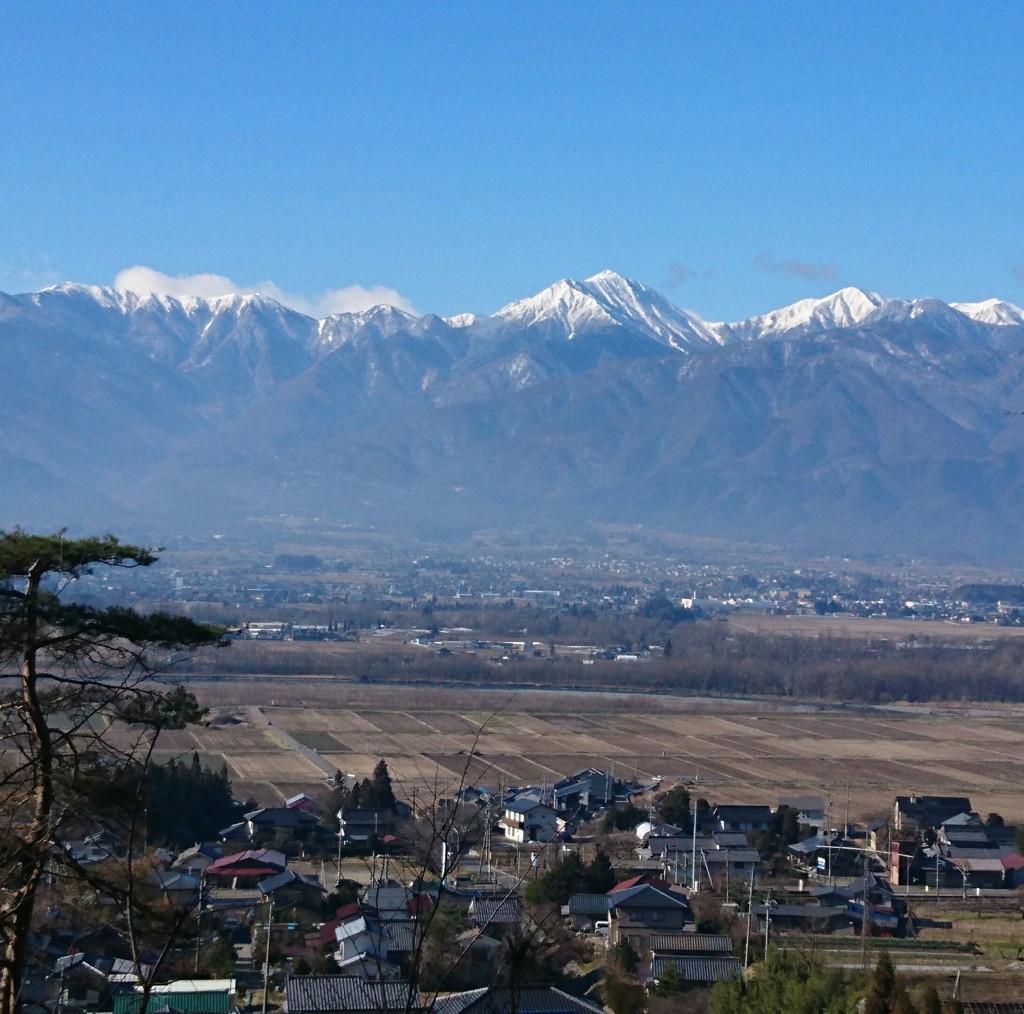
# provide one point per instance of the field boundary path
(288, 741)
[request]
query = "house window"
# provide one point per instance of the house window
(636, 917)
(657, 916)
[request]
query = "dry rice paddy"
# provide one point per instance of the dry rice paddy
(734, 751)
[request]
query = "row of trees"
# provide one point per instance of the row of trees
(790, 981)
(829, 670)
(186, 803)
(373, 793)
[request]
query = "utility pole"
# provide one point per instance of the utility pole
(750, 908)
(266, 962)
(199, 920)
(828, 833)
(694, 875)
(864, 919)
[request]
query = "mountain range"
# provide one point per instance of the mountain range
(850, 424)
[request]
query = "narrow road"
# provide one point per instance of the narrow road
(289, 741)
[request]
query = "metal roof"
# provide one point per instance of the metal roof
(211, 1002)
(190, 996)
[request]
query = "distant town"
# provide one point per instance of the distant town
(292, 589)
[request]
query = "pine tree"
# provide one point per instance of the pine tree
(599, 876)
(78, 667)
(883, 984)
(383, 792)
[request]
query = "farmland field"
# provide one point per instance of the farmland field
(735, 751)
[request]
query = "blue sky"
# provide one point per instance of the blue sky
(457, 156)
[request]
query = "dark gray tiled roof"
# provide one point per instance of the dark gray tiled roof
(402, 936)
(506, 911)
(646, 896)
(731, 856)
(698, 969)
(690, 943)
(589, 904)
(325, 993)
(738, 811)
(528, 1000)
(271, 884)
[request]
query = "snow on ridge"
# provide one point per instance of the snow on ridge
(104, 295)
(462, 320)
(992, 311)
(383, 320)
(566, 302)
(607, 299)
(845, 308)
(568, 308)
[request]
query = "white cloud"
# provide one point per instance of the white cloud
(349, 299)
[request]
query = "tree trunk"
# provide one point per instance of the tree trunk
(36, 837)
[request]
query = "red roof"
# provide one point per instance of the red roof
(243, 871)
(643, 878)
(252, 862)
(1013, 862)
(419, 904)
(341, 915)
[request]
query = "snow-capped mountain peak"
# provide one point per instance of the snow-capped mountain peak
(564, 303)
(608, 300)
(381, 321)
(992, 311)
(845, 308)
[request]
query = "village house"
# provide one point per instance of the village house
(194, 860)
(586, 790)
(359, 937)
(810, 810)
(496, 917)
(297, 823)
(526, 820)
(828, 854)
(803, 918)
(300, 894)
(742, 818)
(585, 910)
(526, 1000)
(913, 812)
(641, 907)
(720, 856)
(698, 958)
(199, 996)
(245, 869)
(357, 827)
(349, 994)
